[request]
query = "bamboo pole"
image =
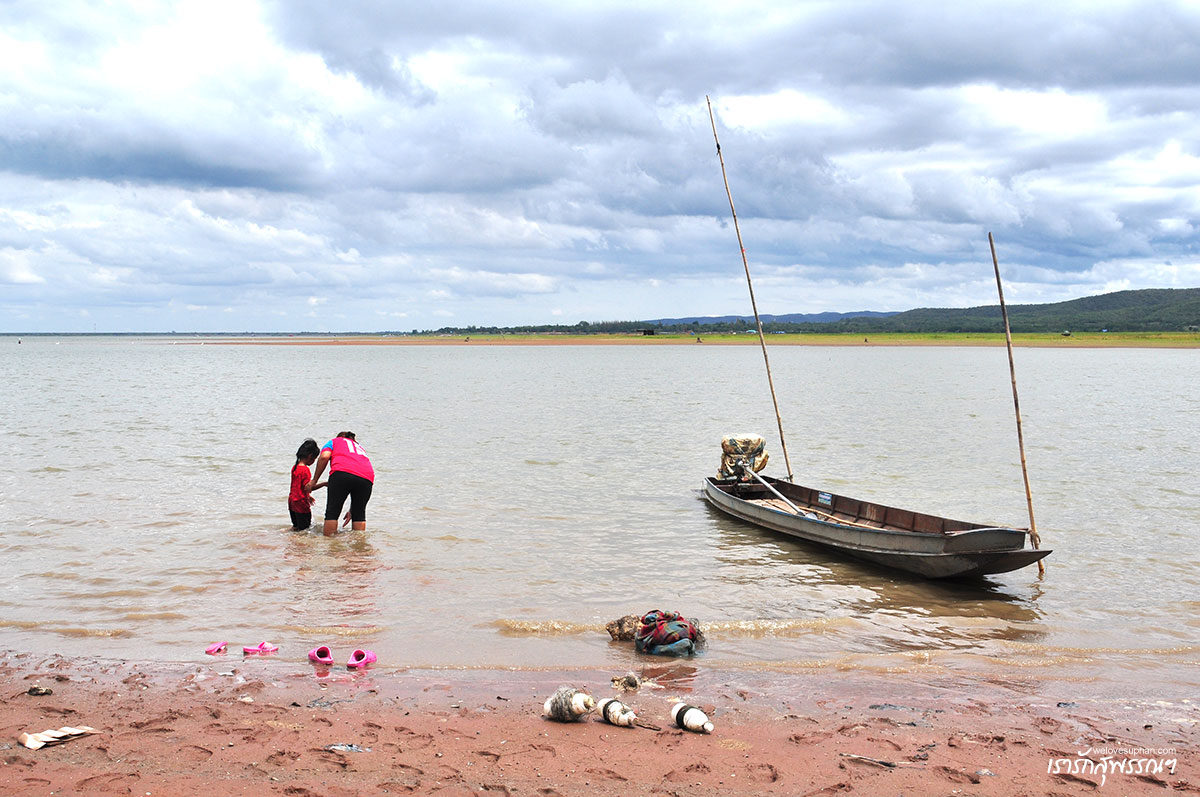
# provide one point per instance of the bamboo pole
(1012, 371)
(762, 340)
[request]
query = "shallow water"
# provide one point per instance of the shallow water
(527, 495)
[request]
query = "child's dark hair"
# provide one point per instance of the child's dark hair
(347, 435)
(307, 449)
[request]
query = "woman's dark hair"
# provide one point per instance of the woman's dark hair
(307, 449)
(347, 435)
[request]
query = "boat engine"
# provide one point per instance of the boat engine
(739, 452)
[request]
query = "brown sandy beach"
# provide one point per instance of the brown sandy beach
(233, 726)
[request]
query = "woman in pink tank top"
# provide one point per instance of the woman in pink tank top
(350, 474)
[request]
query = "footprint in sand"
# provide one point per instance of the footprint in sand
(60, 711)
(336, 760)
(194, 754)
(1047, 725)
(106, 783)
(763, 773)
(809, 738)
(607, 774)
(956, 775)
(151, 723)
(282, 758)
(416, 741)
(687, 773)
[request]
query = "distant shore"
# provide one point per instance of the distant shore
(1083, 340)
(285, 727)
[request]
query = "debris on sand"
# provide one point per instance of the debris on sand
(691, 718)
(624, 629)
(614, 712)
(54, 736)
(568, 704)
(346, 748)
(627, 682)
(667, 634)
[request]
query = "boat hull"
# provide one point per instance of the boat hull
(966, 550)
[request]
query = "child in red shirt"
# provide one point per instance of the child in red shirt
(300, 498)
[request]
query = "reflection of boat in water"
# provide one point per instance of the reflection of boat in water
(926, 545)
(823, 603)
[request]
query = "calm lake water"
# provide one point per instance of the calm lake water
(527, 495)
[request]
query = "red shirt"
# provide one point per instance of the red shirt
(349, 456)
(299, 500)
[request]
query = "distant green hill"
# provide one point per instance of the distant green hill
(1151, 310)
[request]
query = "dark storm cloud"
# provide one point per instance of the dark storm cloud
(55, 154)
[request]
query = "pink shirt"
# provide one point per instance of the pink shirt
(350, 457)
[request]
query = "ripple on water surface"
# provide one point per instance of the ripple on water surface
(525, 497)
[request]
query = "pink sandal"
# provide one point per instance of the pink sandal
(215, 648)
(361, 658)
(321, 655)
(262, 649)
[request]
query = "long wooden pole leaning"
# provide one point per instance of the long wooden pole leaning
(762, 340)
(1012, 371)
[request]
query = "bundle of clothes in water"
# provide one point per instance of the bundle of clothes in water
(667, 634)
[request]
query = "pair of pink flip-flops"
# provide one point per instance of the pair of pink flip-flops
(323, 655)
(261, 649)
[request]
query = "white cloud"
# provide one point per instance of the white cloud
(1053, 114)
(417, 160)
(16, 268)
(783, 108)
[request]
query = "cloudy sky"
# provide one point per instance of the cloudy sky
(253, 165)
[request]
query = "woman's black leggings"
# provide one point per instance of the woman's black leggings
(342, 484)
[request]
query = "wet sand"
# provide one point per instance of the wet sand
(228, 725)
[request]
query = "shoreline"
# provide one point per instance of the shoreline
(1138, 340)
(265, 726)
(1082, 340)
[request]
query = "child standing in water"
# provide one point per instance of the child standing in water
(300, 498)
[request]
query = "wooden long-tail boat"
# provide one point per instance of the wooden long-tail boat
(926, 545)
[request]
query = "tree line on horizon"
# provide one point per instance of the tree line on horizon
(1147, 310)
